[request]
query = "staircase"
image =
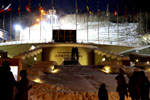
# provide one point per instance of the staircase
(44, 66)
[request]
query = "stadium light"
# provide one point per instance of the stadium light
(37, 20)
(42, 12)
(18, 27)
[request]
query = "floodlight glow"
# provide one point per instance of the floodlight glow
(37, 80)
(103, 59)
(55, 71)
(147, 62)
(106, 69)
(53, 67)
(96, 34)
(55, 16)
(48, 16)
(35, 58)
(148, 70)
(44, 23)
(32, 47)
(137, 60)
(18, 27)
(43, 12)
(37, 20)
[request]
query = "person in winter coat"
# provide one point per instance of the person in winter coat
(7, 82)
(121, 85)
(23, 87)
(102, 92)
(135, 86)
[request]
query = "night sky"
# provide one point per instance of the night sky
(68, 6)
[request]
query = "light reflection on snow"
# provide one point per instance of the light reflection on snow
(38, 80)
(121, 33)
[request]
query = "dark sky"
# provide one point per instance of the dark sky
(69, 5)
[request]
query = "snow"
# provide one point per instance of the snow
(72, 83)
(105, 31)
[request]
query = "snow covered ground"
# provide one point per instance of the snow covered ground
(72, 83)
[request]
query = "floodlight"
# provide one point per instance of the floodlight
(18, 27)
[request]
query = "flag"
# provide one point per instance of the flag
(88, 9)
(28, 6)
(98, 12)
(6, 9)
(40, 6)
(76, 7)
(2, 9)
(107, 12)
(41, 10)
(134, 16)
(125, 13)
(53, 4)
(19, 10)
(115, 13)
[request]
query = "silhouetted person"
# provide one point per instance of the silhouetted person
(22, 86)
(73, 54)
(135, 86)
(76, 54)
(144, 86)
(7, 82)
(121, 85)
(102, 92)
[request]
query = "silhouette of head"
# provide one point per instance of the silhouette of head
(137, 70)
(121, 71)
(23, 73)
(142, 74)
(103, 85)
(6, 65)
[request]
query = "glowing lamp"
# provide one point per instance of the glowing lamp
(104, 59)
(32, 47)
(42, 11)
(37, 20)
(18, 27)
(106, 69)
(148, 70)
(54, 70)
(137, 60)
(147, 62)
(35, 58)
(37, 80)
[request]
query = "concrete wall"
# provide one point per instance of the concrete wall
(29, 61)
(109, 60)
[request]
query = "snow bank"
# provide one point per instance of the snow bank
(58, 92)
